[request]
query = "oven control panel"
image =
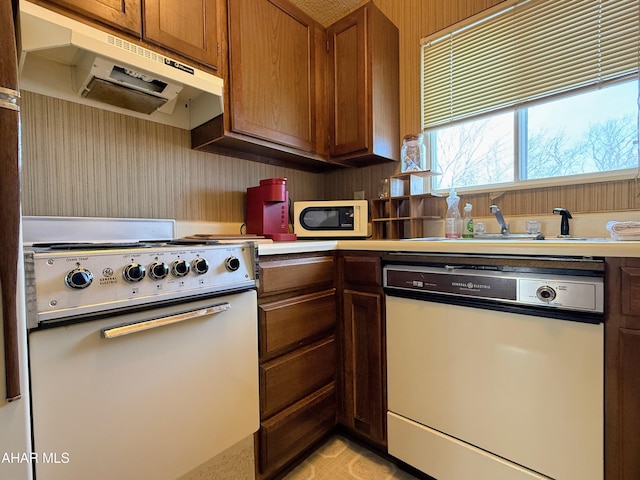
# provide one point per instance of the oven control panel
(63, 284)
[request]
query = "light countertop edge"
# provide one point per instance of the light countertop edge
(583, 248)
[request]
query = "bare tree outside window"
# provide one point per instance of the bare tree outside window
(592, 132)
(479, 152)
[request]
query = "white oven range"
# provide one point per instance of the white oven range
(143, 356)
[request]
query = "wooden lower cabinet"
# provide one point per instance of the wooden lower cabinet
(363, 393)
(297, 311)
(622, 369)
(364, 396)
(284, 436)
(287, 379)
(313, 374)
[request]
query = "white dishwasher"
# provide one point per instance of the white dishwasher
(495, 366)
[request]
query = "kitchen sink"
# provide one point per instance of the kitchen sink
(511, 237)
(488, 236)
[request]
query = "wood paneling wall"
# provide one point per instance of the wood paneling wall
(81, 161)
(87, 162)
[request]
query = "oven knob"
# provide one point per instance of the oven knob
(79, 278)
(158, 270)
(179, 268)
(546, 293)
(200, 266)
(232, 264)
(134, 272)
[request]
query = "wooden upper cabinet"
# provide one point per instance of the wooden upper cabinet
(364, 111)
(348, 70)
(121, 14)
(272, 58)
(187, 27)
(305, 97)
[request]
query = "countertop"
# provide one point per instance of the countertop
(550, 247)
(591, 226)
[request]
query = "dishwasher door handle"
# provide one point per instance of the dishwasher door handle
(134, 327)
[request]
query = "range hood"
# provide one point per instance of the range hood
(63, 58)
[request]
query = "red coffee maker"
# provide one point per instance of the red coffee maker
(268, 210)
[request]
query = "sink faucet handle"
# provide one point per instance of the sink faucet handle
(564, 222)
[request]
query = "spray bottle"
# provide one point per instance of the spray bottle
(467, 222)
(453, 221)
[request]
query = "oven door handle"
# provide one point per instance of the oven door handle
(134, 327)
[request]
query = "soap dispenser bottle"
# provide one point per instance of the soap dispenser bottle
(453, 221)
(467, 222)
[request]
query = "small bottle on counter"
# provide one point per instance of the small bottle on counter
(453, 221)
(467, 222)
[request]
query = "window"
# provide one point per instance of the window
(534, 92)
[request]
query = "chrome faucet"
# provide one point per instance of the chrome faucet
(504, 227)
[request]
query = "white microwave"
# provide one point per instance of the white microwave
(331, 219)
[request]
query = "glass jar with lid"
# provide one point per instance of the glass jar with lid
(413, 153)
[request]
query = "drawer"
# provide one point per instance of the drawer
(289, 378)
(284, 436)
(295, 274)
(362, 270)
(294, 322)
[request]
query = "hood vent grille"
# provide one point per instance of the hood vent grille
(136, 49)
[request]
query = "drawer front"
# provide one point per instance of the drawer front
(294, 322)
(361, 270)
(291, 377)
(295, 274)
(292, 431)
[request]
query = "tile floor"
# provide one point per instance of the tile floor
(342, 459)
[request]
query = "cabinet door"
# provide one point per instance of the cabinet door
(349, 89)
(185, 27)
(121, 14)
(622, 377)
(364, 403)
(272, 72)
(364, 88)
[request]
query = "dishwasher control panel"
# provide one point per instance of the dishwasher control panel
(566, 292)
(574, 293)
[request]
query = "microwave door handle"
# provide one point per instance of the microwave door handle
(135, 327)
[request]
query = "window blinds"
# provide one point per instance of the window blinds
(526, 51)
